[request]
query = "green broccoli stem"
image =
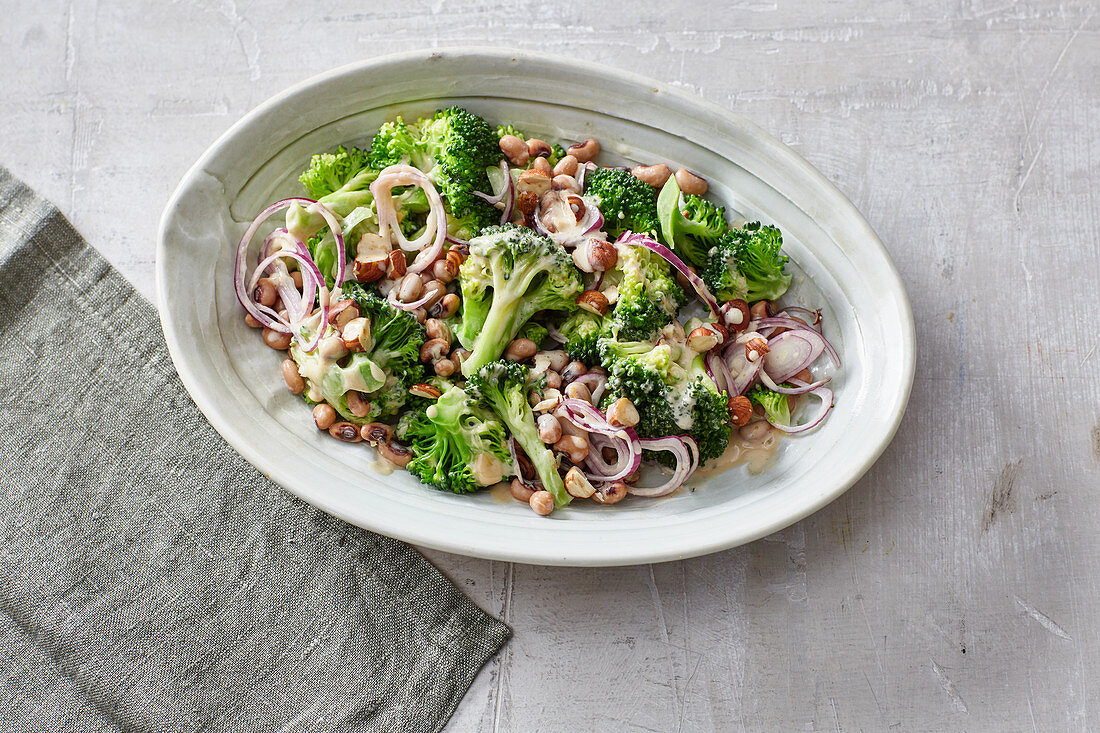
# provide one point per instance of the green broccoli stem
(496, 333)
(526, 434)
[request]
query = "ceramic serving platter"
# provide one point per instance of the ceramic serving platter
(839, 264)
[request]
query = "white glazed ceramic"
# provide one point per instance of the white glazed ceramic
(236, 382)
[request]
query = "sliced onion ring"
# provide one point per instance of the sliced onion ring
(790, 352)
(719, 371)
(803, 389)
(309, 270)
(801, 327)
(826, 396)
(430, 243)
(392, 299)
(242, 255)
(684, 449)
(506, 199)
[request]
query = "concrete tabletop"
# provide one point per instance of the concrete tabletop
(956, 586)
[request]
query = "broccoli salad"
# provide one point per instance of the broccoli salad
(492, 310)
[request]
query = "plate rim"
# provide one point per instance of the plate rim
(535, 555)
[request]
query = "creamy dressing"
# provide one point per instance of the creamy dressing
(755, 453)
(502, 493)
(381, 466)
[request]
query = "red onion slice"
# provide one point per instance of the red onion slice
(801, 327)
(814, 316)
(742, 371)
(430, 243)
(596, 382)
(792, 351)
(803, 388)
(826, 396)
(696, 281)
(582, 171)
(719, 372)
(266, 316)
(679, 448)
(627, 460)
(392, 299)
(298, 304)
(309, 270)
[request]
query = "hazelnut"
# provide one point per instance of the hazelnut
(740, 409)
(593, 301)
(756, 348)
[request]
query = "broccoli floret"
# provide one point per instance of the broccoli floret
(648, 295)
(382, 373)
(748, 263)
(503, 130)
(582, 331)
(340, 180)
(511, 274)
(502, 387)
(674, 395)
(453, 147)
(775, 405)
(689, 224)
(473, 221)
(453, 436)
(533, 331)
(626, 202)
(557, 152)
(396, 143)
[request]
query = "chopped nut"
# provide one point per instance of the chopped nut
(368, 271)
(533, 181)
(623, 414)
(545, 405)
(398, 266)
(573, 446)
(425, 390)
(735, 314)
(702, 339)
(593, 301)
(356, 334)
(577, 484)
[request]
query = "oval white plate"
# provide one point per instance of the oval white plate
(235, 379)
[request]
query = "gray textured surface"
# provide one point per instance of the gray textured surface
(955, 587)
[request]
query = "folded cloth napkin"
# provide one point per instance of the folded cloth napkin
(150, 578)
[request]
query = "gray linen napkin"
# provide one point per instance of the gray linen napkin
(150, 578)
